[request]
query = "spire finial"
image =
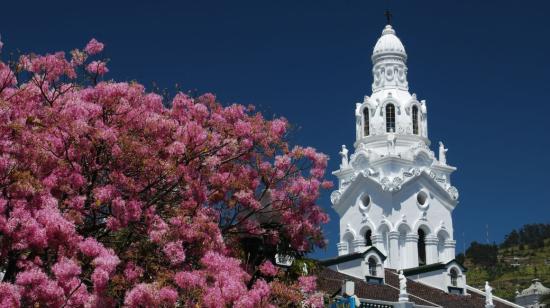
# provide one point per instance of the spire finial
(388, 15)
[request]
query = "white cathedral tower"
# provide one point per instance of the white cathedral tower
(393, 193)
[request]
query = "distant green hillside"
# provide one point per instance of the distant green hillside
(512, 265)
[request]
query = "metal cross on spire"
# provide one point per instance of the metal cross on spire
(388, 15)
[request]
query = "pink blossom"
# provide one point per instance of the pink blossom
(147, 295)
(7, 77)
(174, 252)
(255, 297)
(9, 295)
(315, 300)
(100, 278)
(268, 269)
(39, 288)
(105, 193)
(102, 174)
(142, 295)
(90, 247)
(243, 128)
(97, 67)
(278, 126)
(187, 280)
(93, 47)
(176, 148)
(66, 269)
(168, 296)
(307, 283)
(78, 57)
(51, 67)
(132, 272)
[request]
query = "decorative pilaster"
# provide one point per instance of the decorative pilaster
(449, 250)
(342, 248)
(378, 242)
(359, 245)
(411, 247)
(394, 249)
(431, 249)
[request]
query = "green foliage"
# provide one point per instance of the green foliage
(514, 265)
(483, 254)
(460, 258)
(531, 234)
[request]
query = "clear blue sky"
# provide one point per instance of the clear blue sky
(482, 66)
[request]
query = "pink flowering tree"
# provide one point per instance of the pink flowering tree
(114, 196)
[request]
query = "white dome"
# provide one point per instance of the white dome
(388, 45)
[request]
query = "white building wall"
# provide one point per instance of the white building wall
(393, 164)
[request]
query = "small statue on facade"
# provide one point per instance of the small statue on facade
(488, 295)
(403, 296)
(391, 142)
(344, 154)
(402, 282)
(442, 153)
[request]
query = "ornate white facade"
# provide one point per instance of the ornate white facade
(393, 192)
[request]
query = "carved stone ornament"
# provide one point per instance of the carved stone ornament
(391, 184)
(335, 197)
(360, 161)
(423, 216)
(372, 172)
(453, 192)
(400, 129)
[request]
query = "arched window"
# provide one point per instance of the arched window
(368, 237)
(454, 277)
(421, 247)
(372, 266)
(390, 118)
(366, 122)
(415, 119)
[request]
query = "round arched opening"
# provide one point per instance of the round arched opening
(454, 277)
(415, 120)
(422, 198)
(421, 247)
(372, 266)
(365, 200)
(368, 237)
(390, 118)
(366, 120)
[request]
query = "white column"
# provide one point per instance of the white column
(342, 248)
(394, 249)
(378, 242)
(431, 249)
(449, 250)
(411, 246)
(359, 245)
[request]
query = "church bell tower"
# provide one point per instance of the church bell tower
(393, 193)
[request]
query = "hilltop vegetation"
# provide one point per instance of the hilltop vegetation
(510, 266)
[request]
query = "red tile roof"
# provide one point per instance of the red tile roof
(331, 281)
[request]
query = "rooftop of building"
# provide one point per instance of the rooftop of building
(330, 282)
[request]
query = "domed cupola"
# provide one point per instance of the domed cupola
(389, 59)
(388, 45)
